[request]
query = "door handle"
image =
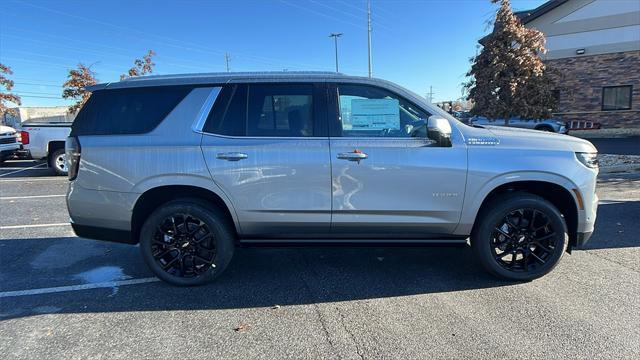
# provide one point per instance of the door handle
(352, 156)
(232, 156)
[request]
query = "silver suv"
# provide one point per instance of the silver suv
(191, 166)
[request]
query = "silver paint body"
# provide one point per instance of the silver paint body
(299, 188)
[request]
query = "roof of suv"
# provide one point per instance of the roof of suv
(226, 77)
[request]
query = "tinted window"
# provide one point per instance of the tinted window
(229, 112)
(368, 111)
(280, 110)
(127, 111)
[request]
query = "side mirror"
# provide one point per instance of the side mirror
(439, 130)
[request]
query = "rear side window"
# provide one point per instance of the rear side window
(280, 110)
(229, 112)
(127, 111)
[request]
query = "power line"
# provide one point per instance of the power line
(322, 14)
(346, 13)
(163, 39)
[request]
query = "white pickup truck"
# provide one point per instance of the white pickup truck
(46, 141)
(9, 142)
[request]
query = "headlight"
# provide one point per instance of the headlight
(589, 160)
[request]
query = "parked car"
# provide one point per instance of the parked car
(549, 125)
(191, 166)
(46, 141)
(463, 116)
(9, 142)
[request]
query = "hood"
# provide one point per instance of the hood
(4, 130)
(535, 139)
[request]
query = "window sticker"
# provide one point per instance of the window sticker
(375, 114)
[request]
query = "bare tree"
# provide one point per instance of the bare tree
(75, 86)
(508, 77)
(5, 95)
(142, 66)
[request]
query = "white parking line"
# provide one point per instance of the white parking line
(29, 197)
(34, 179)
(28, 168)
(107, 284)
(32, 226)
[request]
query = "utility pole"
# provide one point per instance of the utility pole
(369, 34)
(430, 94)
(227, 57)
(335, 37)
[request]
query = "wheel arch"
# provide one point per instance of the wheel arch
(54, 145)
(554, 188)
(154, 197)
(544, 127)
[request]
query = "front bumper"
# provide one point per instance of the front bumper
(583, 238)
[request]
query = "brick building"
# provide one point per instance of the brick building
(595, 46)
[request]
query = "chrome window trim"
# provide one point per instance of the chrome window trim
(267, 137)
(203, 114)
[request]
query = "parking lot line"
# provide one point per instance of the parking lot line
(29, 197)
(33, 179)
(106, 284)
(32, 226)
(28, 168)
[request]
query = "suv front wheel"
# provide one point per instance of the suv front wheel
(186, 242)
(520, 237)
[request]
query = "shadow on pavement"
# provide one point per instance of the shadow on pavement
(616, 226)
(257, 277)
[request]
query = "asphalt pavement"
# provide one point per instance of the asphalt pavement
(66, 297)
(618, 146)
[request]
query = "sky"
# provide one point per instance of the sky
(419, 44)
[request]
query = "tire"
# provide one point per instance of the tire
(188, 260)
(505, 231)
(57, 162)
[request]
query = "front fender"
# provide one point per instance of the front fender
(478, 191)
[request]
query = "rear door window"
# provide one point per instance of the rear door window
(127, 111)
(280, 110)
(229, 112)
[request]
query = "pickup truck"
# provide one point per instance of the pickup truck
(46, 141)
(9, 142)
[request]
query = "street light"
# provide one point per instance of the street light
(335, 37)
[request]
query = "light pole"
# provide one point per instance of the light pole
(335, 37)
(369, 35)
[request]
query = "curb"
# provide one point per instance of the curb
(620, 168)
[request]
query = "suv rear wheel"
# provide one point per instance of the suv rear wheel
(520, 236)
(185, 242)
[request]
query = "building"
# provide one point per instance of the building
(37, 114)
(595, 46)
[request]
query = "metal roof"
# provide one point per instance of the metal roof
(227, 77)
(527, 16)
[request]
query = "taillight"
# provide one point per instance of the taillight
(72, 152)
(24, 137)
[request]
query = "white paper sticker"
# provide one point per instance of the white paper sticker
(375, 114)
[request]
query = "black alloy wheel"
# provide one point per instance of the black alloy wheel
(523, 240)
(187, 242)
(183, 246)
(519, 236)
